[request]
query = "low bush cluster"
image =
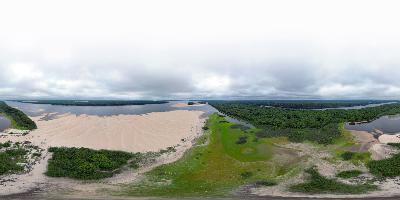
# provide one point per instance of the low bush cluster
(349, 174)
(389, 167)
(318, 184)
(83, 163)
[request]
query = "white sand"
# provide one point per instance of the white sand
(133, 133)
(386, 138)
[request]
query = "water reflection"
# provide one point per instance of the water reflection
(4, 123)
(386, 124)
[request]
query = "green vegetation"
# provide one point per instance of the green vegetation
(13, 156)
(317, 184)
(396, 145)
(18, 119)
(93, 102)
(349, 174)
(389, 167)
(307, 104)
(356, 157)
(86, 164)
(300, 125)
(217, 164)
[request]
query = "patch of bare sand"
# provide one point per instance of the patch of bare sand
(364, 141)
(386, 138)
(133, 133)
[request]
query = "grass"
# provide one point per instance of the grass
(318, 184)
(349, 174)
(217, 165)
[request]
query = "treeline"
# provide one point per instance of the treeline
(93, 102)
(18, 118)
(299, 125)
(308, 104)
(86, 164)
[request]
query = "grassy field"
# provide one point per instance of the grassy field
(224, 158)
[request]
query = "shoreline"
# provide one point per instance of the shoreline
(176, 128)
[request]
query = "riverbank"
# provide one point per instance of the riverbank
(132, 133)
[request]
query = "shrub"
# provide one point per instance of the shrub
(318, 184)
(389, 167)
(349, 174)
(246, 175)
(265, 183)
(83, 163)
(348, 155)
(241, 140)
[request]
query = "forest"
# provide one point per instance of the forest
(93, 102)
(321, 126)
(309, 104)
(18, 118)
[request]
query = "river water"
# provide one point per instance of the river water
(386, 124)
(4, 123)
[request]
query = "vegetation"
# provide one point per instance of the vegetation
(86, 164)
(396, 145)
(18, 119)
(217, 164)
(389, 167)
(94, 102)
(321, 126)
(307, 104)
(13, 156)
(349, 174)
(317, 184)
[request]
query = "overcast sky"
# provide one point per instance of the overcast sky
(200, 49)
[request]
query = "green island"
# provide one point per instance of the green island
(19, 120)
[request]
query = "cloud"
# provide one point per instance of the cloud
(182, 49)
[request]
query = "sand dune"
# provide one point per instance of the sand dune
(133, 133)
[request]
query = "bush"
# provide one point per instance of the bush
(246, 175)
(385, 168)
(83, 163)
(317, 184)
(347, 155)
(265, 183)
(241, 140)
(349, 174)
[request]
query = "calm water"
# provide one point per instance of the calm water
(52, 110)
(4, 123)
(386, 124)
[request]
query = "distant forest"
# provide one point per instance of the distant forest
(308, 104)
(321, 126)
(92, 102)
(18, 119)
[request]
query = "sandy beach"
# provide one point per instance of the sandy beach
(132, 133)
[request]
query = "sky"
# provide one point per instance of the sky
(208, 49)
